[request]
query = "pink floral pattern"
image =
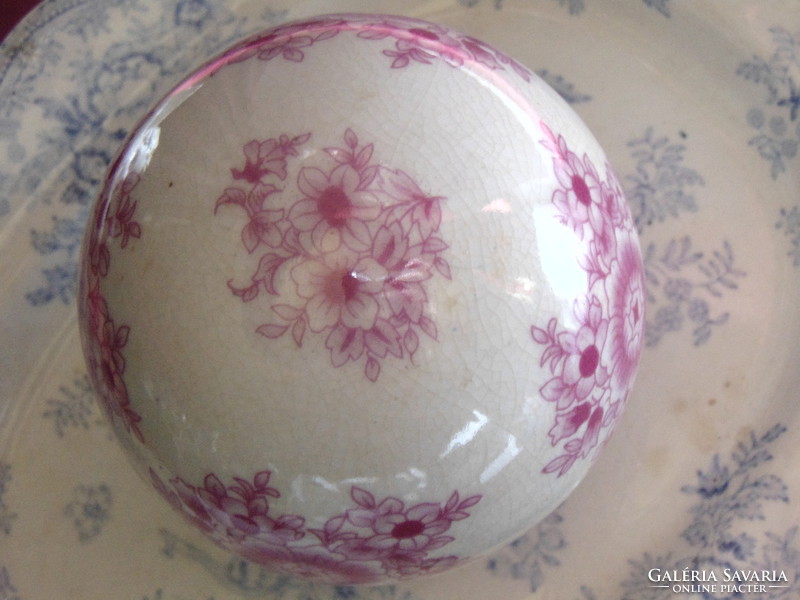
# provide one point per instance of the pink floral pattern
(370, 542)
(349, 260)
(592, 364)
(412, 42)
(105, 340)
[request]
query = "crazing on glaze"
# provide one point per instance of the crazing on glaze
(353, 255)
(592, 366)
(105, 339)
(346, 265)
(415, 42)
(373, 539)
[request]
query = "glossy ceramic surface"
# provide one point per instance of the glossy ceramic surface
(388, 333)
(694, 104)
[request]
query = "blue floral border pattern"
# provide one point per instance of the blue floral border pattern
(529, 556)
(89, 510)
(776, 124)
(6, 516)
(253, 581)
(729, 494)
(115, 87)
(576, 7)
(661, 186)
(686, 280)
(564, 88)
(76, 408)
(7, 589)
(789, 223)
(681, 281)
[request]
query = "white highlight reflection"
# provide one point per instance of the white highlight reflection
(558, 248)
(467, 434)
(501, 462)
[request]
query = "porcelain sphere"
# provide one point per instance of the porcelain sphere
(362, 298)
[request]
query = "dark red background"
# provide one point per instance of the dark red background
(11, 11)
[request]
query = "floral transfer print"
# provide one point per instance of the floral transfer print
(777, 121)
(7, 517)
(680, 283)
(250, 580)
(729, 495)
(532, 554)
(369, 542)
(75, 408)
(104, 339)
(89, 510)
(660, 188)
(414, 42)
(789, 223)
(7, 589)
(592, 366)
(346, 264)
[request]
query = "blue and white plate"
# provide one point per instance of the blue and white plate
(697, 104)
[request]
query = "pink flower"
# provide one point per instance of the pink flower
(420, 209)
(287, 40)
(406, 272)
(625, 289)
(579, 197)
(480, 52)
(340, 288)
(334, 204)
(345, 344)
(582, 372)
(583, 367)
(392, 528)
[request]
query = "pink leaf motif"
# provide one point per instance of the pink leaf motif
(442, 266)
(362, 497)
(121, 337)
(363, 157)
(214, 486)
(335, 524)
(231, 195)
(411, 341)
(250, 237)
(350, 138)
(246, 294)
(539, 335)
(383, 338)
(261, 480)
(133, 230)
(272, 331)
(293, 54)
(267, 269)
(372, 369)
(400, 60)
(562, 464)
(373, 33)
(470, 502)
(429, 327)
(244, 489)
(298, 331)
(286, 312)
(435, 245)
(300, 140)
(340, 155)
(452, 502)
